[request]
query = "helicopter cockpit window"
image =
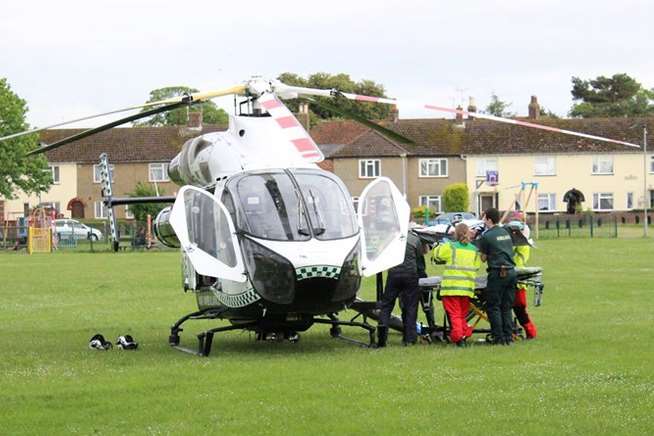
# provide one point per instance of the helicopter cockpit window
(270, 208)
(380, 220)
(208, 228)
(330, 211)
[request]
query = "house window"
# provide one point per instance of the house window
(546, 201)
(100, 210)
(651, 164)
(54, 170)
(355, 203)
(484, 165)
(544, 166)
(96, 173)
(433, 167)
(158, 172)
(431, 201)
(602, 164)
(630, 200)
(128, 213)
(603, 201)
(369, 168)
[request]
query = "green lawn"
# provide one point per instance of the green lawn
(590, 371)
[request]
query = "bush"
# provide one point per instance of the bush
(456, 197)
(418, 212)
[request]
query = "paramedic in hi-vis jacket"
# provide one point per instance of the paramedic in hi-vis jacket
(461, 265)
(521, 256)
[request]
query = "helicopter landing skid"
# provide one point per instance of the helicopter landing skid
(335, 331)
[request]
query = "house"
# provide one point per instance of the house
(610, 177)
(135, 155)
(421, 170)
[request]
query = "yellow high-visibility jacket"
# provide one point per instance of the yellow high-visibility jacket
(462, 262)
(521, 255)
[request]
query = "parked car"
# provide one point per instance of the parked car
(453, 217)
(65, 228)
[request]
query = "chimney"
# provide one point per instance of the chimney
(303, 115)
(195, 120)
(472, 106)
(534, 108)
(394, 114)
(459, 115)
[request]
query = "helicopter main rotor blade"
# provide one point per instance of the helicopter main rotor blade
(363, 120)
(289, 90)
(291, 127)
(528, 124)
(104, 127)
(189, 98)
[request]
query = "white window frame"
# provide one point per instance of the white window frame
(424, 200)
(439, 164)
(161, 166)
(128, 213)
(651, 164)
(55, 170)
(597, 163)
(483, 166)
(369, 164)
(96, 173)
(551, 201)
(599, 196)
(547, 166)
(103, 210)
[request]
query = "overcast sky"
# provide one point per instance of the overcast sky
(74, 58)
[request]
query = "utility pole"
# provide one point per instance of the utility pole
(645, 196)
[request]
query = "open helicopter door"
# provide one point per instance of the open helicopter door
(384, 222)
(206, 234)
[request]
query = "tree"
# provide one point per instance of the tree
(141, 211)
(617, 96)
(341, 82)
(211, 114)
(17, 171)
(498, 107)
(456, 197)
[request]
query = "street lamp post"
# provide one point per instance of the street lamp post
(645, 199)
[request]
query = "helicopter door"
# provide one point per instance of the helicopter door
(384, 221)
(206, 234)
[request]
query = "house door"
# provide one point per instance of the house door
(77, 209)
(486, 201)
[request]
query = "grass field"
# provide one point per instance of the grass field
(591, 371)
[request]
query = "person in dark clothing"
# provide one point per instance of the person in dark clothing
(402, 282)
(496, 249)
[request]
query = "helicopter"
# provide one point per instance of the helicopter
(269, 241)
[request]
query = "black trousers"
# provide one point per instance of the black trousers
(500, 293)
(406, 288)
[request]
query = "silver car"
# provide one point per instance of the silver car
(66, 229)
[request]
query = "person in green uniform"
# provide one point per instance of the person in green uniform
(496, 250)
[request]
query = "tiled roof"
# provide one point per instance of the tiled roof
(135, 144)
(488, 137)
(445, 137)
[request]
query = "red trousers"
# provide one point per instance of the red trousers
(520, 310)
(457, 308)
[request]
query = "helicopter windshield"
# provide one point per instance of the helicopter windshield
(271, 208)
(330, 210)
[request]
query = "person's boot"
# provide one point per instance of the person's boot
(530, 330)
(382, 336)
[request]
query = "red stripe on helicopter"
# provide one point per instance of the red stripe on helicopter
(366, 98)
(304, 144)
(271, 104)
(286, 122)
(310, 155)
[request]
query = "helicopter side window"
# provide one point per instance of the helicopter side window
(270, 208)
(330, 210)
(208, 227)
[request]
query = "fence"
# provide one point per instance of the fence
(576, 226)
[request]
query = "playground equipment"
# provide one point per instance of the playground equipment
(39, 232)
